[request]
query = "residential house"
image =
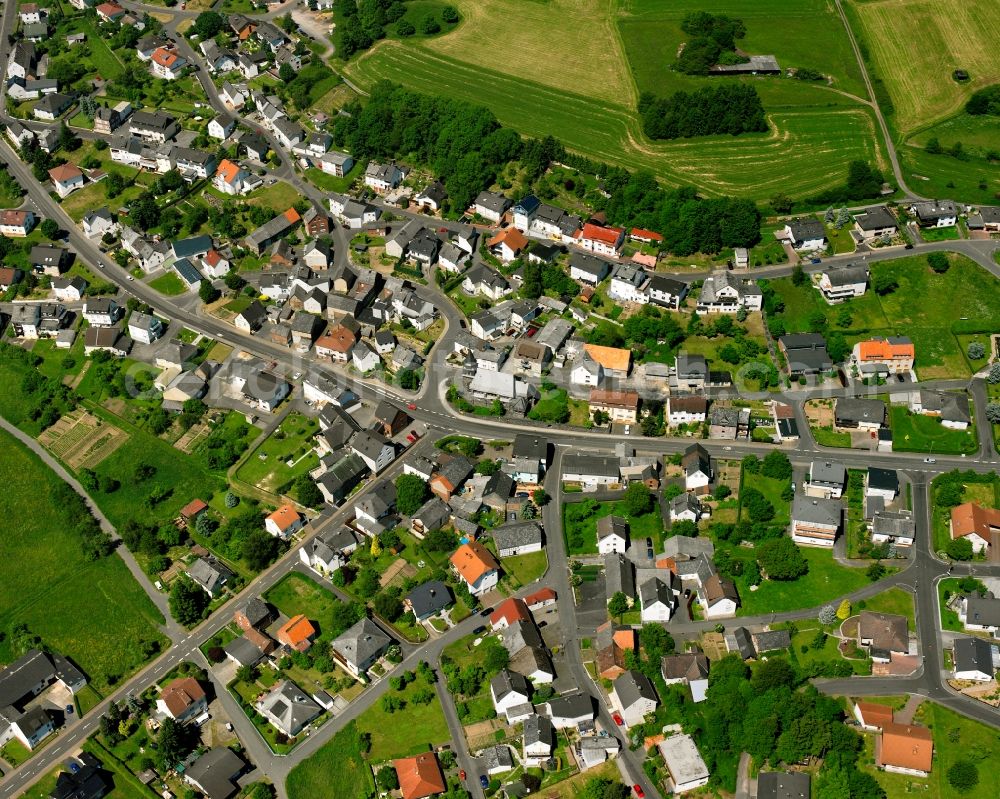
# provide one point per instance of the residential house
(719, 597)
(491, 206)
(297, 633)
(86, 781)
(634, 696)
(883, 635)
(725, 292)
(843, 283)
(872, 716)
(99, 221)
(49, 108)
(419, 776)
(882, 483)
(360, 647)
(428, 600)
(374, 449)
(815, 522)
(215, 264)
(270, 232)
(684, 763)
(383, 177)
(805, 354)
(287, 707)
(612, 534)
(980, 613)
(215, 773)
(690, 371)
(517, 538)
(862, 414)
(619, 575)
(450, 477)
(893, 527)
(508, 612)
(935, 213)
(951, 407)
(102, 312)
(375, 511)
(16, 223)
(690, 669)
(182, 699)
(658, 598)
(976, 659)
(509, 690)
(570, 711)
(590, 470)
(167, 63)
(364, 358)
(481, 280)
(284, 522)
(476, 566)
(666, 291)
(69, 289)
(826, 479)
(611, 645)
(66, 179)
(620, 406)
(883, 356)
(252, 318)
(601, 240)
(327, 552)
(144, 328)
(783, 785)
(806, 234)
(498, 759)
(539, 741)
(686, 410)
(686, 507)
(729, 423)
(876, 222)
(153, 126)
(587, 268)
(508, 244)
(335, 163)
(905, 749)
(210, 574)
(979, 525)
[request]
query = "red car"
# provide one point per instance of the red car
(618, 719)
(411, 407)
(639, 793)
(461, 775)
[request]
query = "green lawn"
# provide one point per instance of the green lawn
(267, 467)
(896, 601)
(830, 651)
(913, 432)
(825, 581)
(341, 762)
(525, 569)
(93, 612)
(940, 233)
(169, 284)
(295, 593)
(985, 493)
(949, 618)
(771, 488)
(332, 183)
(580, 525)
(408, 731)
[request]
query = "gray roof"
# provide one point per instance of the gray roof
(782, 785)
(698, 567)
(530, 446)
(433, 514)
(894, 523)
(828, 473)
(852, 409)
(807, 228)
(974, 654)
(429, 598)
(19, 678)
(632, 686)
(685, 502)
(953, 406)
(493, 201)
(619, 575)
(680, 546)
(517, 534)
(521, 634)
(361, 643)
(575, 705)
(772, 640)
(215, 771)
(290, 705)
(689, 665)
(507, 682)
(657, 590)
(847, 275)
(538, 729)
(813, 510)
(982, 610)
(883, 478)
(379, 501)
(244, 651)
(612, 525)
(598, 268)
(876, 218)
(369, 442)
(739, 640)
(498, 757)
(594, 465)
(255, 610)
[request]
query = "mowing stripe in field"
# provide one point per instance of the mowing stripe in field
(808, 149)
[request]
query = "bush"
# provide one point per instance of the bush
(938, 261)
(781, 559)
(963, 775)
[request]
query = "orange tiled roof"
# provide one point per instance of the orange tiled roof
(906, 746)
(213, 257)
(969, 518)
(541, 595)
(881, 349)
(284, 517)
(512, 610)
(13, 217)
(228, 170)
(613, 358)
(292, 215)
(164, 57)
(617, 399)
(338, 339)
(419, 776)
(512, 237)
(874, 714)
(181, 694)
(640, 233)
(296, 631)
(193, 508)
(607, 235)
(65, 172)
(472, 561)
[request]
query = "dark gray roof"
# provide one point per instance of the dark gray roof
(633, 686)
(595, 465)
(244, 651)
(500, 485)
(362, 642)
(498, 757)
(739, 639)
(530, 446)
(517, 534)
(592, 265)
(429, 598)
(982, 610)
(255, 610)
(619, 575)
(772, 640)
(885, 479)
(507, 682)
(973, 654)
(21, 676)
(852, 409)
(215, 772)
(813, 510)
(876, 218)
(847, 275)
(807, 228)
(782, 785)
(828, 473)
(575, 705)
(538, 729)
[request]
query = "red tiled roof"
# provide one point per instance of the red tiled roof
(606, 235)
(65, 172)
(181, 694)
(419, 776)
(511, 610)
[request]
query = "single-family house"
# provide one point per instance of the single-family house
(884, 356)
(806, 234)
(725, 292)
(876, 222)
(935, 213)
(976, 659)
(905, 749)
(815, 521)
(612, 534)
(476, 566)
(843, 283)
(979, 525)
(634, 697)
(182, 699)
(684, 763)
(66, 179)
(287, 707)
(360, 647)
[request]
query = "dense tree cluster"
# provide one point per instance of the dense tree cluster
(984, 101)
(712, 41)
(730, 108)
(864, 182)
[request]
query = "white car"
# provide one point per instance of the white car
(628, 429)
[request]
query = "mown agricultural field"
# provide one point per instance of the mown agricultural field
(915, 45)
(94, 612)
(808, 149)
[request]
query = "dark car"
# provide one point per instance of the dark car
(649, 542)
(479, 629)
(484, 782)
(485, 612)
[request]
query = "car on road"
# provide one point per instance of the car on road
(480, 629)
(639, 793)
(411, 407)
(131, 278)
(930, 460)
(815, 260)
(485, 612)
(484, 783)
(461, 775)
(617, 718)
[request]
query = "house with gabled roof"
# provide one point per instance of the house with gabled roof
(361, 646)
(634, 696)
(476, 565)
(419, 776)
(287, 707)
(806, 233)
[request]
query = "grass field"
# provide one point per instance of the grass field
(93, 612)
(168, 284)
(339, 762)
(825, 581)
(913, 432)
(915, 61)
(291, 442)
(296, 593)
(895, 600)
(914, 309)
(771, 488)
(807, 150)
(408, 731)
(581, 530)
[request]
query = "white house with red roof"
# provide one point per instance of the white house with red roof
(167, 63)
(66, 178)
(231, 178)
(15, 223)
(600, 240)
(284, 522)
(215, 264)
(109, 12)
